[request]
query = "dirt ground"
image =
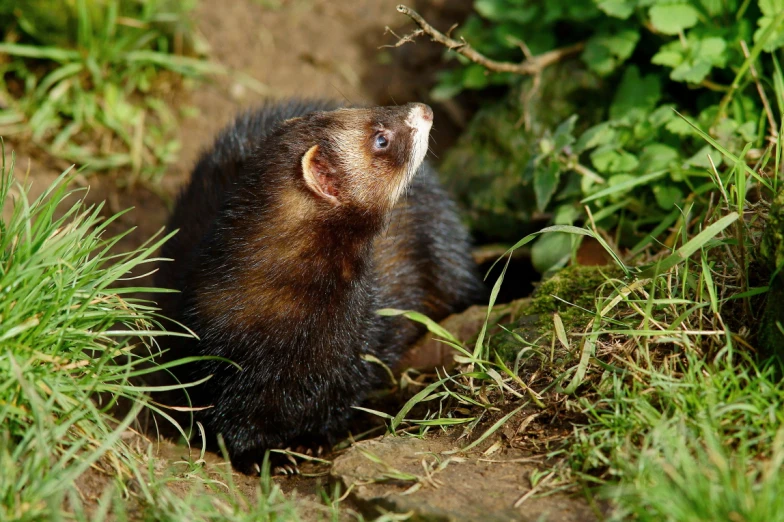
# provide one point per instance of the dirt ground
(304, 48)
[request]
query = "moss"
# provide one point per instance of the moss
(574, 284)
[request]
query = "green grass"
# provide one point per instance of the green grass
(88, 79)
(66, 340)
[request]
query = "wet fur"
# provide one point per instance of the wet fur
(301, 359)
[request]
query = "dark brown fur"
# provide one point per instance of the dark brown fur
(287, 285)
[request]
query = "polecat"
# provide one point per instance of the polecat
(299, 224)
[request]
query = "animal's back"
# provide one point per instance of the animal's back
(213, 180)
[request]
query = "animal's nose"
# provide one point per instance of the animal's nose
(426, 111)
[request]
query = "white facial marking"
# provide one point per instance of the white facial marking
(416, 120)
(421, 127)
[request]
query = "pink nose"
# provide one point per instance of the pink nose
(426, 111)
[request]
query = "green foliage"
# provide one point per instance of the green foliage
(704, 446)
(674, 414)
(88, 78)
(634, 161)
(65, 346)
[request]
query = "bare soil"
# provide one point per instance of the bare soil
(307, 48)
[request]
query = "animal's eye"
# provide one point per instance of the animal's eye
(381, 141)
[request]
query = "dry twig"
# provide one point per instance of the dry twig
(532, 65)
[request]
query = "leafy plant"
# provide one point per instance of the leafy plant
(636, 162)
(90, 78)
(674, 414)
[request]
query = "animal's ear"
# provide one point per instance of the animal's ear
(319, 175)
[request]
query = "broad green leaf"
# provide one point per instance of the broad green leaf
(668, 56)
(662, 115)
(672, 18)
(771, 8)
(506, 10)
(564, 133)
(657, 156)
(667, 196)
(445, 91)
(618, 8)
(608, 160)
(625, 186)
(604, 52)
(700, 159)
(694, 61)
(551, 251)
(475, 77)
(596, 136)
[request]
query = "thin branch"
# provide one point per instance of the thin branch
(530, 66)
(768, 111)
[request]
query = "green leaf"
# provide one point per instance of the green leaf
(475, 77)
(692, 62)
(625, 186)
(608, 160)
(657, 156)
(506, 10)
(604, 52)
(636, 95)
(618, 8)
(664, 114)
(596, 136)
(700, 159)
(771, 9)
(564, 133)
(450, 84)
(673, 18)
(551, 251)
(566, 214)
(546, 178)
(445, 91)
(667, 196)
(668, 56)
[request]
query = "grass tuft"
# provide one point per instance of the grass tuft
(91, 81)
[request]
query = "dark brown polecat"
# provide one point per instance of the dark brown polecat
(299, 224)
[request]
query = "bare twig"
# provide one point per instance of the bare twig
(768, 111)
(532, 65)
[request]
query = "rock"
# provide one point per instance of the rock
(429, 353)
(388, 474)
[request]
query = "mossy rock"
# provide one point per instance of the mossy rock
(571, 292)
(770, 337)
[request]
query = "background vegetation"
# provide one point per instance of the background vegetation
(656, 134)
(89, 80)
(601, 129)
(661, 138)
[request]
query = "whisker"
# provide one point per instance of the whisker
(350, 102)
